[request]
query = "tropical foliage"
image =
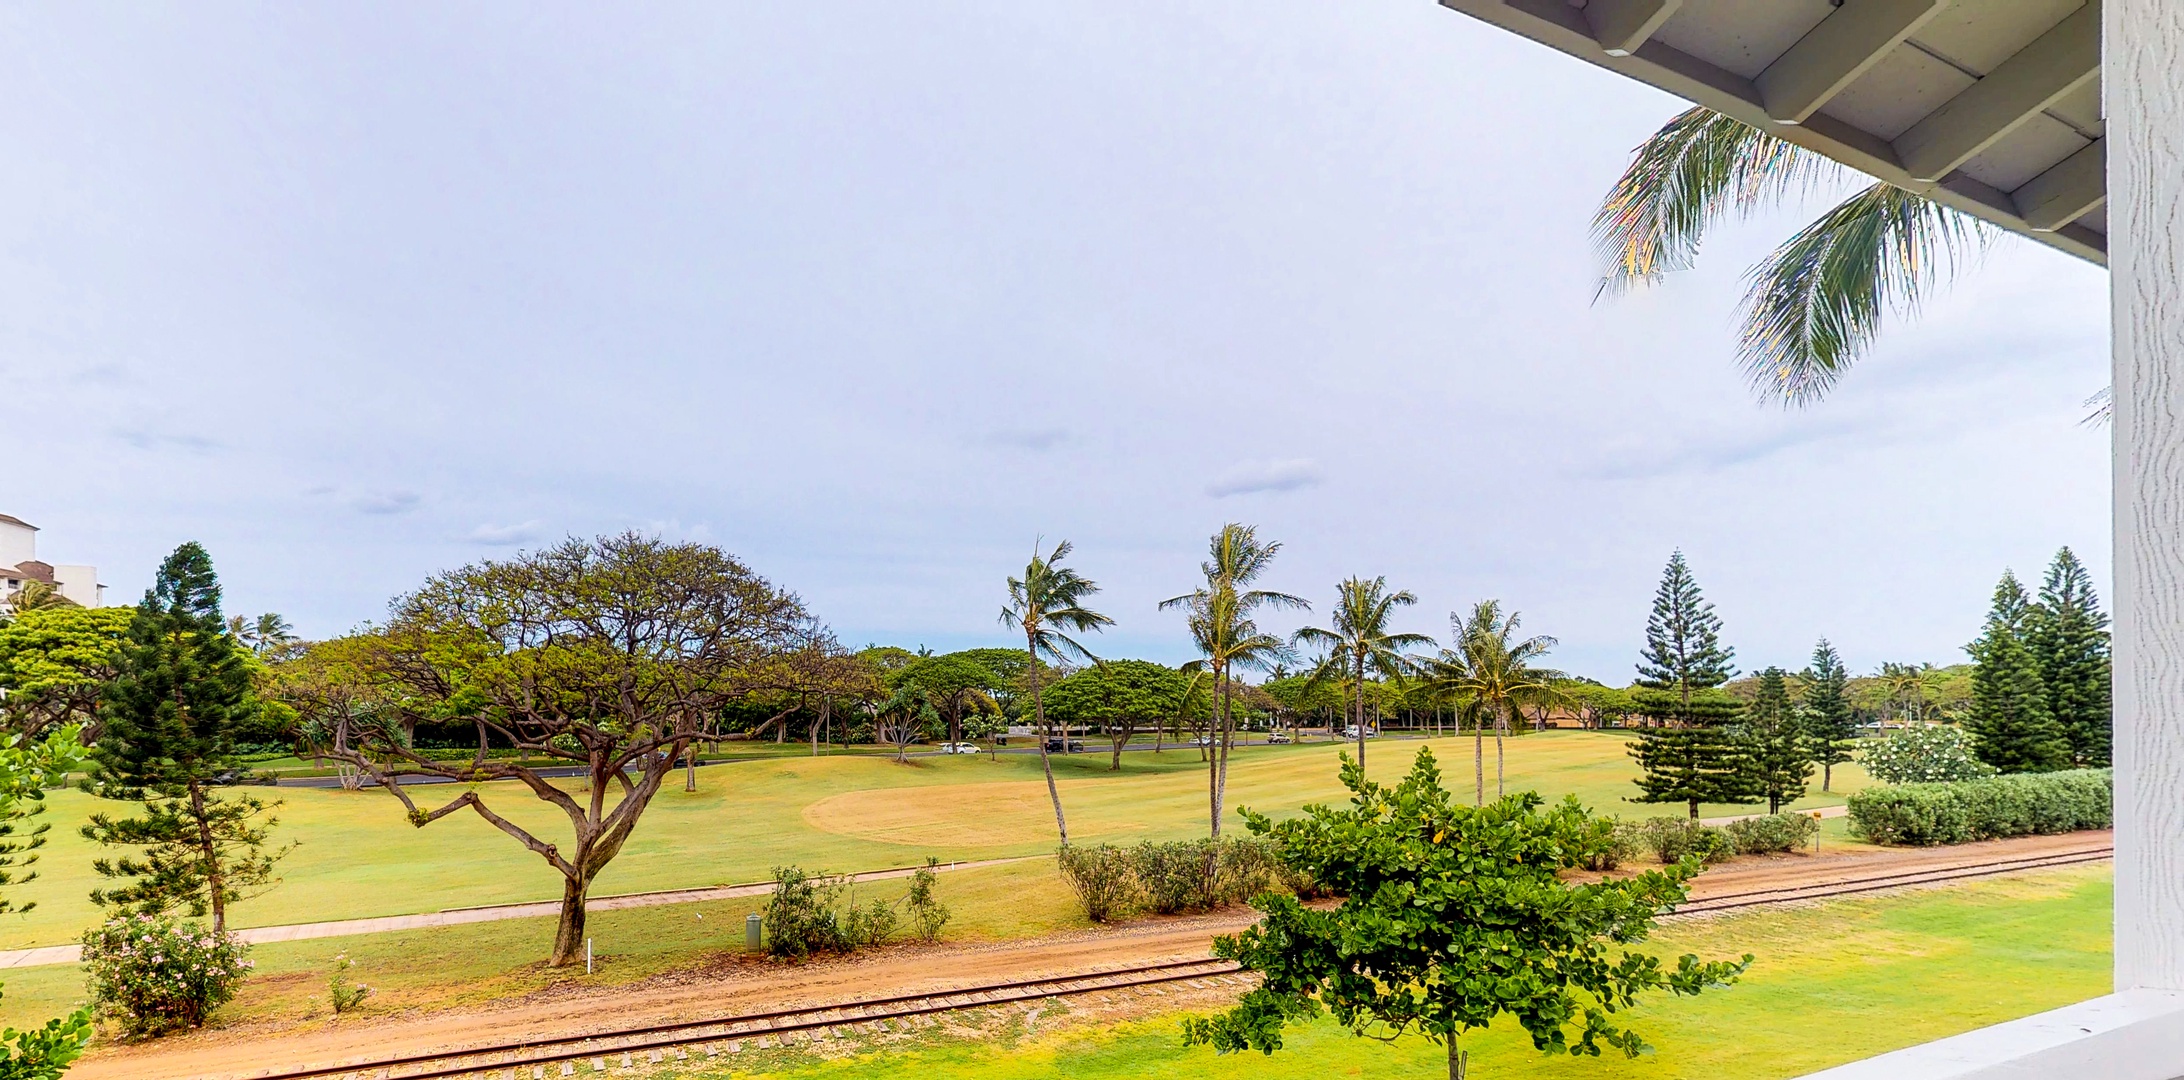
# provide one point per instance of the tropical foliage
(1047, 605)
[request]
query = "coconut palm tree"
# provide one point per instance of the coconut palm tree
(1361, 642)
(1814, 305)
(34, 595)
(1494, 673)
(1221, 625)
(1046, 601)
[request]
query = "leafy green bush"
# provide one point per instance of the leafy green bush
(343, 990)
(1176, 876)
(1672, 838)
(44, 1053)
(1102, 877)
(1772, 834)
(152, 976)
(1246, 870)
(1929, 754)
(800, 917)
(2020, 804)
(867, 925)
(927, 913)
(1611, 842)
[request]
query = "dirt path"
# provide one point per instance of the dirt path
(741, 984)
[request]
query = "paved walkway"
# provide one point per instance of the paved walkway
(259, 935)
(1825, 811)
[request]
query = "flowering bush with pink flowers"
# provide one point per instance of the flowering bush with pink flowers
(150, 976)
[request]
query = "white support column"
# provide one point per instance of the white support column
(2143, 82)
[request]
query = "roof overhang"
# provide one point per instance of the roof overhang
(1989, 106)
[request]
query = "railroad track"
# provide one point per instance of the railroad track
(591, 1053)
(600, 1050)
(1875, 883)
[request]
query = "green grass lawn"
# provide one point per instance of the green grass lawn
(357, 857)
(1833, 983)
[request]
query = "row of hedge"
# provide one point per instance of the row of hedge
(2018, 804)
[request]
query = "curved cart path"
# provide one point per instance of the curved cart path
(738, 984)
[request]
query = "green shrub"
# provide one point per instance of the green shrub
(1672, 838)
(1772, 833)
(871, 924)
(1178, 876)
(152, 976)
(2020, 804)
(1102, 878)
(345, 992)
(927, 913)
(1929, 754)
(1246, 870)
(800, 917)
(1618, 842)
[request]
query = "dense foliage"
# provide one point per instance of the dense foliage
(815, 913)
(26, 769)
(1453, 915)
(1984, 809)
(151, 976)
(1931, 753)
(54, 664)
(1173, 877)
(1772, 834)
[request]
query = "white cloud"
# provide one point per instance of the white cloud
(505, 535)
(1254, 476)
(387, 502)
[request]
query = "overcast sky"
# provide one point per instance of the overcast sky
(873, 294)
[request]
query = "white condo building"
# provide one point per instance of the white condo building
(20, 565)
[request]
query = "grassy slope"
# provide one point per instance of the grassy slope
(1834, 983)
(359, 858)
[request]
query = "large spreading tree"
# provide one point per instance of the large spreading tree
(181, 693)
(1831, 725)
(1122, 697)
(2009, 720)
(1452, 916)
(610, 655)
(1690, 753)
(1775, 747)
(55, 662)
(2067, 633)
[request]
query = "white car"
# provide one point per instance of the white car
(1277, 736)
(960, 748)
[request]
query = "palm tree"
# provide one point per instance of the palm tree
(1362, 642)
(1047, 600)
(35, 595)
(1221, 625)
(1814, 305)
(1495, 673)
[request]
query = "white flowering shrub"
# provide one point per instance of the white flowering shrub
(1933, 754)
(151, 976)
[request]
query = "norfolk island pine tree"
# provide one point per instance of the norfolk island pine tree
(2009, 718)
(169, 720)
(1689, 755)
(2068, 634)
(1831, 728)
(1775, 745)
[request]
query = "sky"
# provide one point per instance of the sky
(877, 295)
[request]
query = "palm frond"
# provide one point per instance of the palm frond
(1813, 306)
(1699, 166)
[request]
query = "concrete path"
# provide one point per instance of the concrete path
(1825, 811)
(259, 935)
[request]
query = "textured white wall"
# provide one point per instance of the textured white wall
(2144, 81)
(17, 544)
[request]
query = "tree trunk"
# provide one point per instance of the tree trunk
(209, 849)
(569, 935)
(1046, 764)
(1358, 724)
(1457, 1059)
(1501, 728)
(1774, 802)
(1478, 758)
(1213, 763)
(690, 767)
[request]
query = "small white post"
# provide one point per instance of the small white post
(587, 956)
